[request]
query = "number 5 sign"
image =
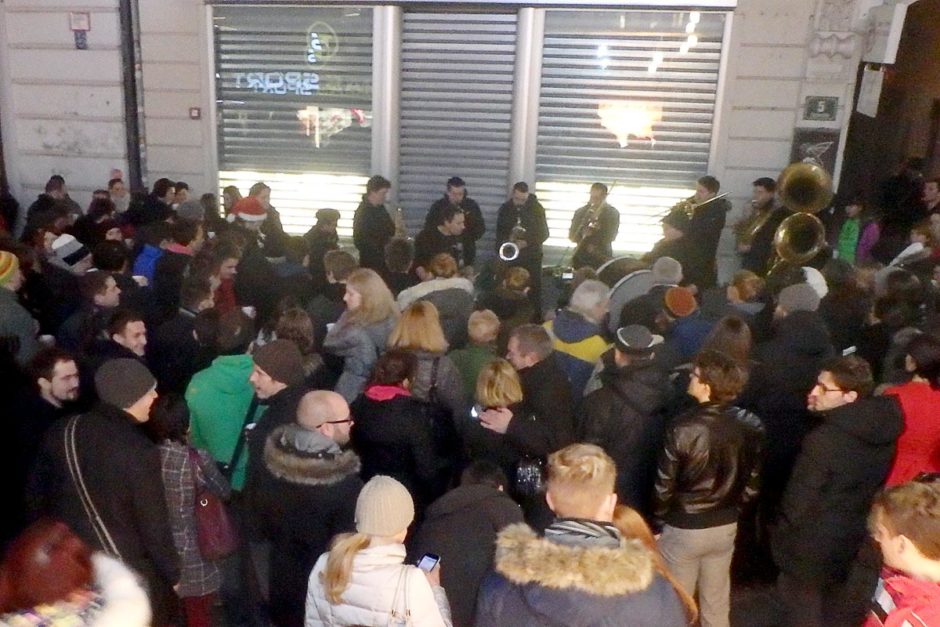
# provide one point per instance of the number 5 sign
(821, 108)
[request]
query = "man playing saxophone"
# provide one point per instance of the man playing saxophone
(754, 233)
(594, 228)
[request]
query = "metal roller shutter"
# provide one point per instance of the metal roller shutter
(456, 104)
(294, 100)
(626, 72)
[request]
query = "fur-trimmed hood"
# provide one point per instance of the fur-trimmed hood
(524, 557)
(314, 468)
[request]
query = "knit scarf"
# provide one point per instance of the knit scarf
(578, 532)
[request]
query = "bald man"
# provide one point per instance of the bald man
(308, 497)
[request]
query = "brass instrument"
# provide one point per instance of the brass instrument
(747, 229)
(689, 206)
(806, 189)
(510, 250)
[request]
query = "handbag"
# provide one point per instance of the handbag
(215, 531)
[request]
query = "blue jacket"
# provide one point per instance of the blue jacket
(146, 262)
(578, 346)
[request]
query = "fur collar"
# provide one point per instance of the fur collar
(524, 557)
(309, 469)
(421, 290)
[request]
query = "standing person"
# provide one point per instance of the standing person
(117, 192)
(184, 470)
(581, 572)
(757, 250)
(482, 329)
(173, 265)
(311, 498)
(373, 227)
(157, 207)
(100, 298)
(361, 333)
(271, 231)
(15, 321)
(363, 580)
(708, 469)
(449, 292)
(321, 239)
(510, 302)
(708, 220)
(521, 220)
(594, 229)
(456, 195)
(100, 474)
(442, 237)
(327, 306)
(843, 463)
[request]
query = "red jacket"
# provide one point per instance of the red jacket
(919, 444)
(225, 296)
(901, 601)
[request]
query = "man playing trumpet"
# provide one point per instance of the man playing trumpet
(594, 228)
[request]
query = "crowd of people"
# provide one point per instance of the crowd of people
(210, 419)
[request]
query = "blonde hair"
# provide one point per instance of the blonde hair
(517, 279)
(377, 300)
(632, 527)
(443, 266)
(483, 327)
(748, 284)
(419, 329)
(580, 477)
(913, 510)
(498, 385)
(339, 563)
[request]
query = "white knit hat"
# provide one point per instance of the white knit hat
(384, 507)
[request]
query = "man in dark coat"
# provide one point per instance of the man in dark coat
(309, 498)
(625, 416)
(327, 306)
(581, 572)
(321, 239)
(174, 349)
(708, 221)
(594, 228)
(474, 226)
(157, 207)
(372, 226)
(173, 265)
(119, 468)
(443, 237)
(461, 528)
(522, 219)
(756, 253)
(843, 463)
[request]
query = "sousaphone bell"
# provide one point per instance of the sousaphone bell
(804, 188)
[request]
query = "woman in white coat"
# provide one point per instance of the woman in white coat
(363, 579)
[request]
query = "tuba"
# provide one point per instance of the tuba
(805, 188)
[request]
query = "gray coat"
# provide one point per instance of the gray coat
(360, 347)
(16, 323)
(450, 392)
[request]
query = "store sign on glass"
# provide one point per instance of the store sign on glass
(322, 44)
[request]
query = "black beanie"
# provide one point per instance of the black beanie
(281, 360)
(123, 382)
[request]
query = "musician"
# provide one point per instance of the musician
(756, 250)
(708, 220)
(474, 226)
(443, 237)
(594, 229)
(521, 219)
(373, 227)
(677, 244)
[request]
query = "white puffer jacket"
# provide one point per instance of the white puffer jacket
(378, 574)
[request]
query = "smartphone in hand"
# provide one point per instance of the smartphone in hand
(428, 561)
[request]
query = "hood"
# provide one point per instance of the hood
(320, 463)
(805, 332)
(876, 420)
(468, 497)
(419, 291)
(230, 373)
(125, 602)
(643, 383)
(523, 557)
(570, 327)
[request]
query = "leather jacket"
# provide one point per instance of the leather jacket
(709, 467)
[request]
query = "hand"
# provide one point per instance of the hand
(744, 248)
(434, 576)
(496, 419)
(521, 243)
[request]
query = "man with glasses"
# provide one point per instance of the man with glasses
(309, 497)
(842, 465)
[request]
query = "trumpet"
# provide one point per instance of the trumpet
(688, 205)
(510, 250)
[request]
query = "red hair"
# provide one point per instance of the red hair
(44, 564)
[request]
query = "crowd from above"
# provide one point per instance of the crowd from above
(211, 420)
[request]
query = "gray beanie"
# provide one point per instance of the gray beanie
(798, 297)
(191, 210)
(123, 382)
(666, 271)
(384, 507)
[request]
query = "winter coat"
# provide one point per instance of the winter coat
(684, 340)
(360, 347)
(256, 283)
(531, 217)
(845, 312)
(326, 308)
(145, 264)
(453, 299)
(311, 498)
(512, 308)
(704, 232)
(430, 242)
(15, 322)
(461, 528)
(168, 275)
(469, 362)
(373, 227)
(709, 466)
(175, 354)
(907, 602)
(218, 399)
(120, 468)
(919, 444)
(393, 437)
(120, 601)
(539, 582)
(379, 584)
(319, 242)
(625, 418)
(843, 463)
(474, 226)
(579, 344)
(448, 387)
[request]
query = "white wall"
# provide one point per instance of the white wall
(62, 108)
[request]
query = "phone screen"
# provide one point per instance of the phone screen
(428, 561)
(475, 412)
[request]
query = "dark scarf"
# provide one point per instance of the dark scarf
(579, 532)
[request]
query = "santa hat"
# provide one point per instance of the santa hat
(249, 209)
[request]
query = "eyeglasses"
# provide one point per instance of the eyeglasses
(820, 386)
(338, 422)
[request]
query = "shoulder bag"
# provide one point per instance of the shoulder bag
(215, 531)
(228, 469)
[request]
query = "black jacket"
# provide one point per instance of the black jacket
(684, 250)
(168, 276)
(393, 437)
(461, 528)
(319, 243)
(548, 409)
(474, 226)
(512, 308)
(709, 467)
(704, 232)
(593, 248)
(372, 230)
(843, 463)
(531, 216)
(310, 497)
(625, 417)
(121, 470)
(175, 354)
(762, 245)
(256, 283)
(431, 242)
(326, 308)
